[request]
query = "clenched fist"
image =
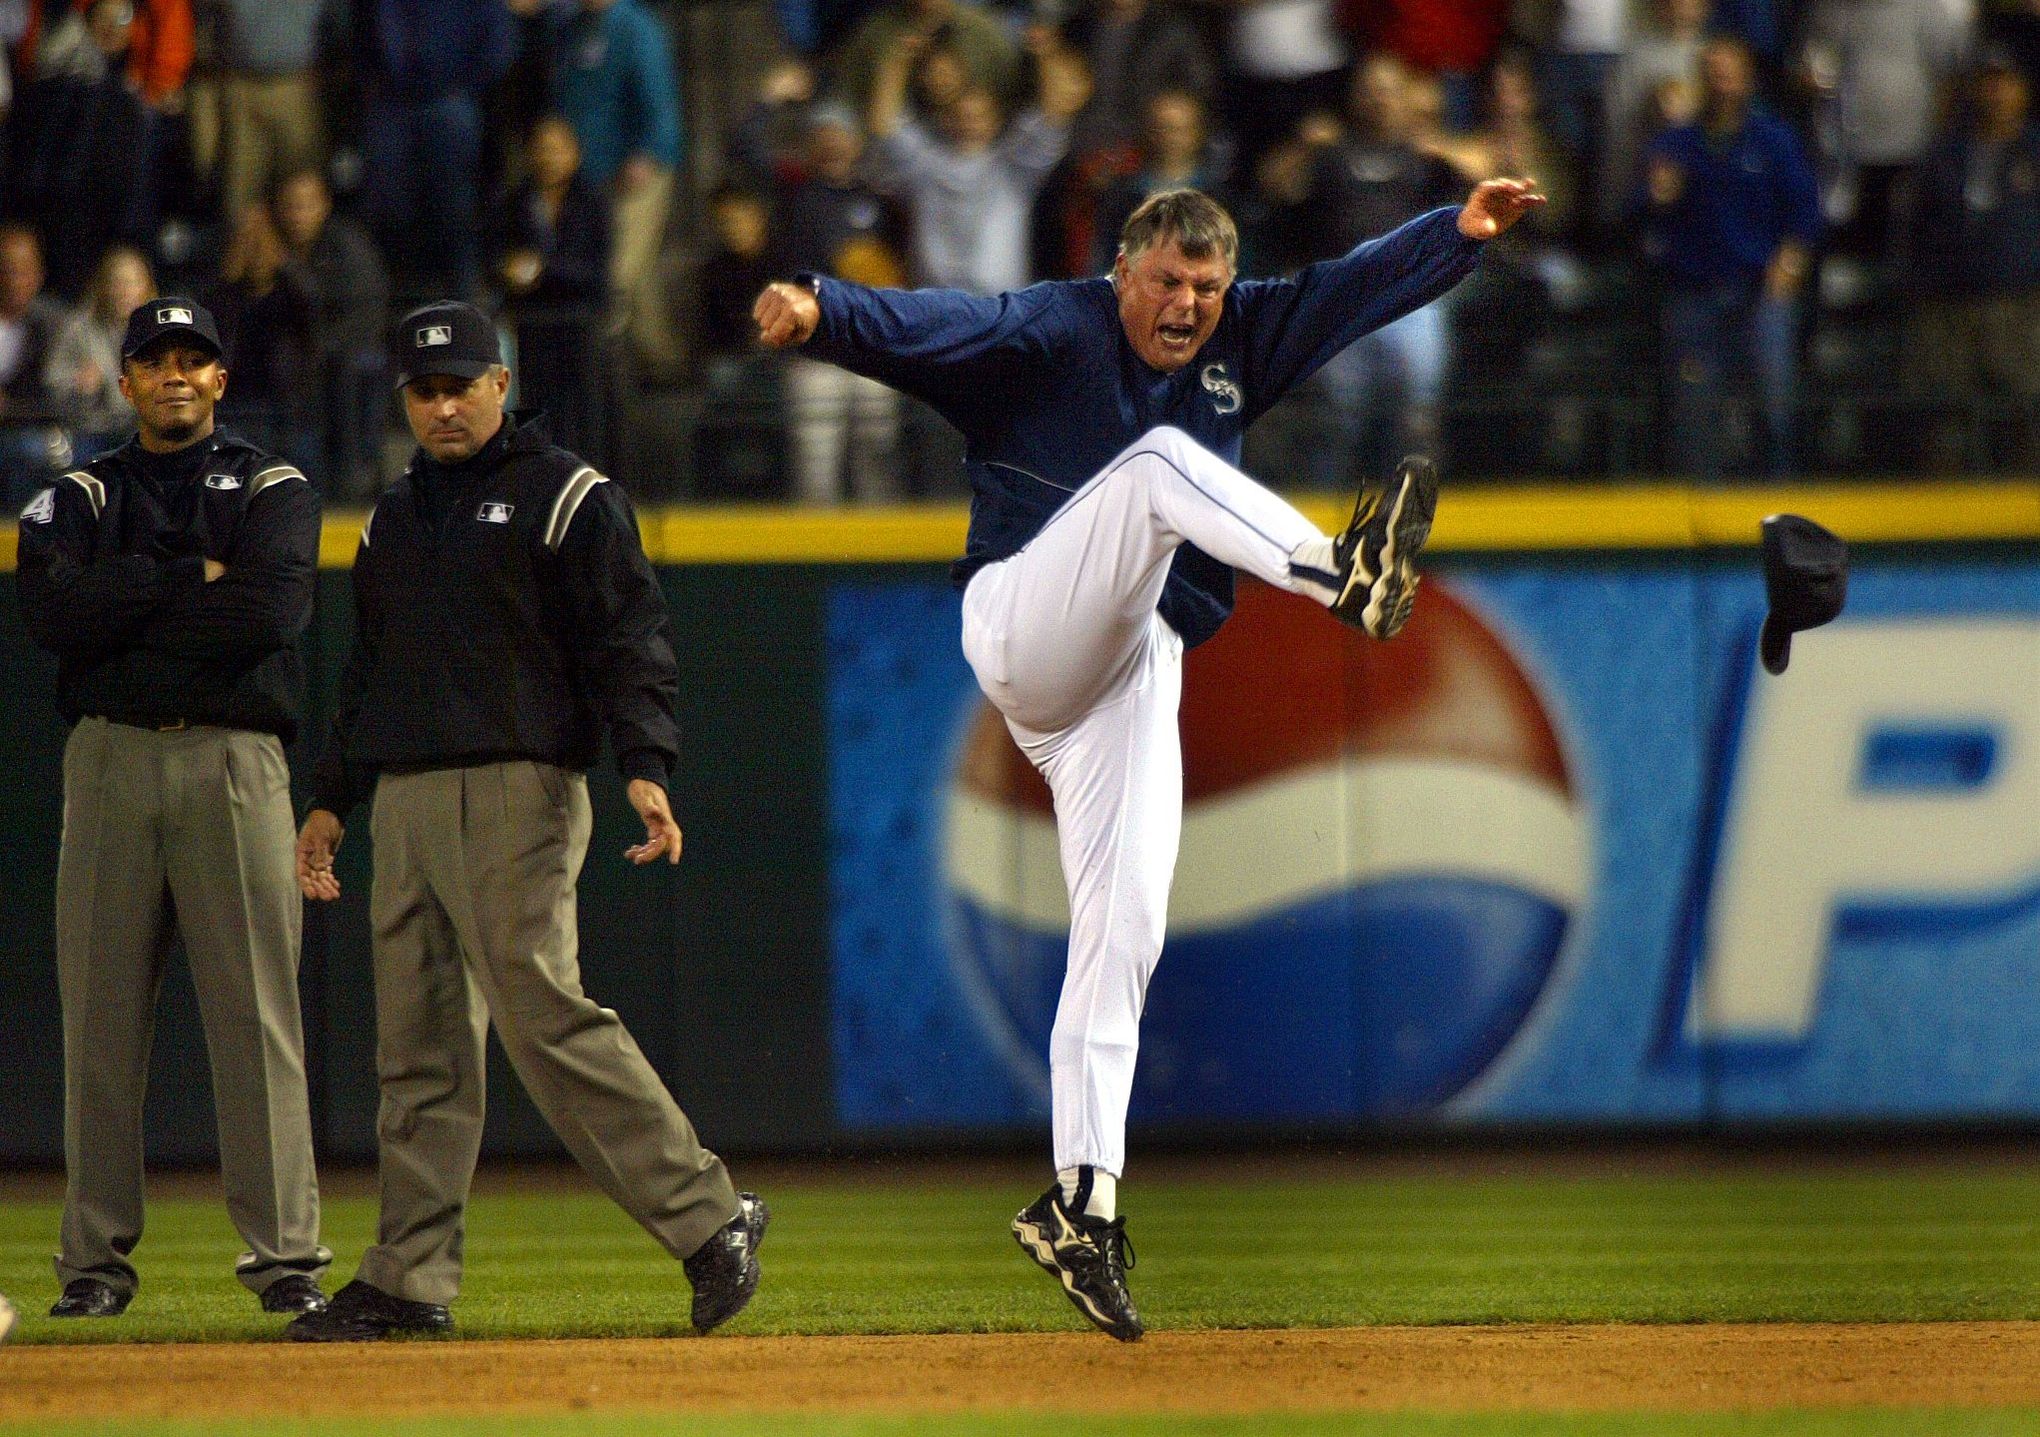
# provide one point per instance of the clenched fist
(787, 314)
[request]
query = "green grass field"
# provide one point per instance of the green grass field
(854, 1256)
(847, 1256)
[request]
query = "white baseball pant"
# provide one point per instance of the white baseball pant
(1065, 640)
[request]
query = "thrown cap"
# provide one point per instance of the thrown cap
(1806, 576)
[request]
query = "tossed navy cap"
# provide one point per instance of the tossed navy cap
(446, 337)
(162, 318)
(1806, 576)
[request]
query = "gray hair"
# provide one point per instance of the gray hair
(1194, 220)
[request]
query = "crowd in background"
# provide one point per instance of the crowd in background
(1754, 205)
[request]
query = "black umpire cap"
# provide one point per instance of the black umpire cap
(162, 318)
(446, 337)
(1806, 575)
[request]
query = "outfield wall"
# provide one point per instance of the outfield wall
(1560, 853)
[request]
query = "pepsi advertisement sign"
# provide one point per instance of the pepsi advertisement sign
(1561, 852)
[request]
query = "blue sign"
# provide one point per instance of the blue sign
(1560, 852)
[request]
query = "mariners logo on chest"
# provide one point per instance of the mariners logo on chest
(1225, 393)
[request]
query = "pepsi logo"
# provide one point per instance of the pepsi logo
(1382, 855)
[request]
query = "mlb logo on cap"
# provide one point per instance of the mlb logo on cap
(169, 318)
(444, 338)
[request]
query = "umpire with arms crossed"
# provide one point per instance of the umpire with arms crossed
(505, 617)
(171, 578)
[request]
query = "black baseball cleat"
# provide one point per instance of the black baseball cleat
(1088, 1255)
(724, 1270)
(293, 1293)
(1372, 556)
(89, 1297)
(361, 1313)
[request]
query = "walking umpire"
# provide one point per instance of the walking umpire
(506, 617)
(172, 578)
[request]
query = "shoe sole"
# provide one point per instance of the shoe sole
(1035, 1243)
(752, 1272)
(1391, 594)
(7, 1318)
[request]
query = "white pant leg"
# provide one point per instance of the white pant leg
(1117, 777)
(1052, 631)
(1065, 640)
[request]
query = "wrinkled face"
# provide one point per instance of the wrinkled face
(1726, 80)
(1169, 303)
(302, 206)
(972, 122)
(452, 418)
(554, 153)
(173, 386)
(833, 151)
(127, 285)
(1174, 130)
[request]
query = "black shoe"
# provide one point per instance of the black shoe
(1377, 587)
(89, 1297)
(725, 1269)
(361, 1313)
(1088, 1255)
(293, 1293)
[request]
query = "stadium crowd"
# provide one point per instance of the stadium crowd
(1782, 234)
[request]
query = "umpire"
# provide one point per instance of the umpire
(171, 578)
(506, 617)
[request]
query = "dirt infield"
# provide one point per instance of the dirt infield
(1714, 1367)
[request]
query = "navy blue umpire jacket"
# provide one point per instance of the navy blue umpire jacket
(1046, 389)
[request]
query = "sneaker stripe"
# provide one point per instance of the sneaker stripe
(1385, 584)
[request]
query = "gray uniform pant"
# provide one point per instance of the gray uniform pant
(473, 918)
(189, 832)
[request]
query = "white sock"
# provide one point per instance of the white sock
(1104, 1198)
(1306, 561)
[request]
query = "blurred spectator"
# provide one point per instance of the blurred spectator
(268, 318)
(1975, 261)
(29, 324)
(1284, 60)
(269, 101)
(1731, 218)
(1578, 44)
(1667, 51)
(1876, 69)
(1508, 298)
(843, 428)
(971, 189)
(425, 68)
(982, 49)
(550, 244)
(1135, 49)
(1451, 40)
(613, 78)
(83, 372)
(2014, 26)
(1340, 190)
(770, 143)
(1175, 153)
(79, 157)
(736, 269)
(351, 292)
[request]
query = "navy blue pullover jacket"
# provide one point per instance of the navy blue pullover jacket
(1046, 389)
